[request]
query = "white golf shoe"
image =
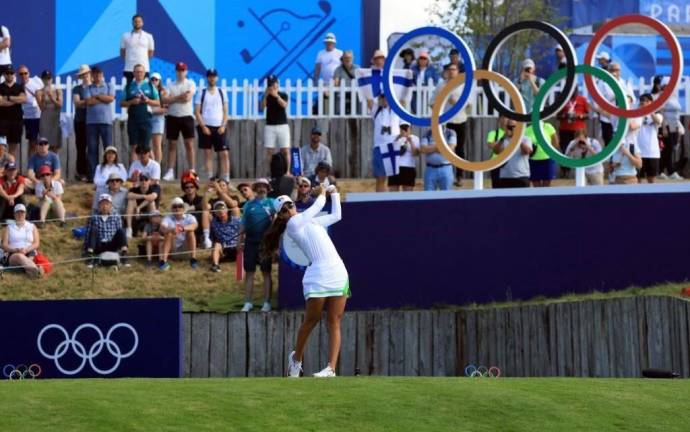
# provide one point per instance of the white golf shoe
(294, 366)
(327, 372)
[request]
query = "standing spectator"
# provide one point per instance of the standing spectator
(50, 102)
(158, 119)
(178, 228)
(345, 75)
(603, 59)
(277, 130)
(11, 191)
(257, 216)
(43, 156)
(99, 116)
(304, 194)
(386, 130)
(314, 152)
(424, 73)
(327, 60)
(195, 203)
(225, 229)
(117, 192)
(572, 118)
(515, 172)
(5, 43)
(561, 61)
(153, 235)
(409, 150)
(109, 166)
(140, 98)
(625, 162)
(20, 241)
(407, 56)
(30, 108)
(378, 60)
(104, 232)
(136, 47)
(671, 132)
(211, 110)
(528, 83)
(144, 165)
(5, 156)
(454, 56)
(79, 100)
(542, 168)
(648, 141)
(439, 171)
(582, 147)
(12, 96)
(180, 119)
(605, 119)
(280, 183)
(49, 193)
(493, 138)
(142, 199)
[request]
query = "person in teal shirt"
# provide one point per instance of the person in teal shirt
(140, 98)
(257, 216)
(542, 169)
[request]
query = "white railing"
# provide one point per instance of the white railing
(310, 100)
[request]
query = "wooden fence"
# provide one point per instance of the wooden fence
(604, 338)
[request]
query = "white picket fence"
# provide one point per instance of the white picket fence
(310, 100)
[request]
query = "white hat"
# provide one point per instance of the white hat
(377, 53)
(110, 148)
(20, 208)
(176, 201)
(603, 55)
(83, 69)
(114, 176)
(280, 202)
(330, 37)
(3, 140)
(665, 81)
(559, 47)
(157, 75)
(528, 63)
(105, 197)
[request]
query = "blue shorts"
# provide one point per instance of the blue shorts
(31, 127)
(542, 170)
(377, 163)
(157, 124)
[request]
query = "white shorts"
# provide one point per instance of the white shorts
(277, 136)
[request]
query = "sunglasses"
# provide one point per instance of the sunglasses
(116, 181)
(47, 175)
(43, 143)
(155, 79)
(23, 73)
(177, 207)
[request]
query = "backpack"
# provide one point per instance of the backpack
(203, 96)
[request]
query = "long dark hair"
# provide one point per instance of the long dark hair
(271, 240)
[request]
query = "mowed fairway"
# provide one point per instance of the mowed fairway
(348, 404)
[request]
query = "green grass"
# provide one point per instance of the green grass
(347, 404)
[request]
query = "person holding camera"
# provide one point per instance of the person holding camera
(140, 99)
(648, 141)
(582, 147)
(529, 83)
(626, 161)
(515, 171)
(409, 150)
(277, 130)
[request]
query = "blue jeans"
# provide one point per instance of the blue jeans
(440, 178)
(94, 132)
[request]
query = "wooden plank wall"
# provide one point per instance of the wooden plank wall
(605, 338)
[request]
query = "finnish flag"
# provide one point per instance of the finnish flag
(389, 155)
(370, 84)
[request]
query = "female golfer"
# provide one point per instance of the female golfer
(325, 281)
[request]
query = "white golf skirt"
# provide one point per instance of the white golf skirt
(326, 279)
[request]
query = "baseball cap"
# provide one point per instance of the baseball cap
(603, 55)
(176, 202)
(243, 184)
(559, 47)
(261, 181)
(9, 69)
(316, 130)
(271, 79)
(157, 76)
(44, 169)
(423, 54)
(42, 140)
(280, 202)
(20, 208)
(143, 176)
(323, 166)
(46, 74)
(114, 176)
(105, 197)
(528, 63)
(405, 123)
(304, 180)
(10, 166)
(378, 53)
(219, 205)
(111, 149)
(330, 37)
(96, 70)
(180, 66)
(3, 140)
(212, 72)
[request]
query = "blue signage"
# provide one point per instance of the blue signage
(91, 339)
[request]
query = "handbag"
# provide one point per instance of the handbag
(43, 261)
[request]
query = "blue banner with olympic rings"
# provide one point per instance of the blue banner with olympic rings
(91, 339)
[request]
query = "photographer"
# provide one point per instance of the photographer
(140, 99)
(582, 147)
(277, 130)
(515, 172)
(529, 83)
(626, 161)
(409, 150)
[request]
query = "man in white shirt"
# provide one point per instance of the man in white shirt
(179, 98)
(5, 43)
(648, 141)
(211, 111)
(327, 60)
(136, 47)
(606, 120)
(144, 164)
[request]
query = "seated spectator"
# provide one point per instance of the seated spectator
(49, 193)
(43, 156)
(144, 164)
(322, 176)
(117, 192)
(314, 153)
(515, 171)
(104, 232)
(20, 241)
(5, 155)
(247, 193)
(144, 198)
(304, 194)
(281, 183)
(195, 204)
(11, 191)
(219, 187)
(582, 147)
(153, 234)
(624, 164)
(178, 229)
(225, 231)
(109, 165)
(409, 150)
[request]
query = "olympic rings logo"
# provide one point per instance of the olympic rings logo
(539, 112)
(473, 371)
(21, 371)
(81, 351)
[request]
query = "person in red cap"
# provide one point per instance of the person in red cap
(49, 193)
(180, 118)
(11, 191)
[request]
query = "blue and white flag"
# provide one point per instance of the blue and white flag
(389, 154)
(370, 82)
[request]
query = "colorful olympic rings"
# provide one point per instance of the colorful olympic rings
(676, 64)
(473, 371)
(617, 138)
(440, 140)
(21, 371)
(387, 77)
(562, 98)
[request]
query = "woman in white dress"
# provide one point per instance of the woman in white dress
(20, 241)
(325, 281)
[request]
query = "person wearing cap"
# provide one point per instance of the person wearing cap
(79, 102)
(5, 156)
(21, 241)
(424, 73)
(314, 152)
(195, 203)
(180, 118)
(11, 190)
(325, 283)
(136, 47)
(408, 145)
(153, 236)
(118, 193)
(49, 193)
(99, 117)
(561, 61)
(50, 102)
(144, 165)
(344, 75)
(276, 130)
(256, 218)
(30, 107)
(12, 96)
(327, 60)
(407, 56)
(606, 120)
(5, 43)
(141, 97)
(144, 198)
(322, 175)
(211, 111)
(528, 83)
(43, 156)
(108, 166)
(178, 229)
(157, 119)
(304, 198)
(454, 57)
(104, 232)
(603, 59)
(225, 229)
